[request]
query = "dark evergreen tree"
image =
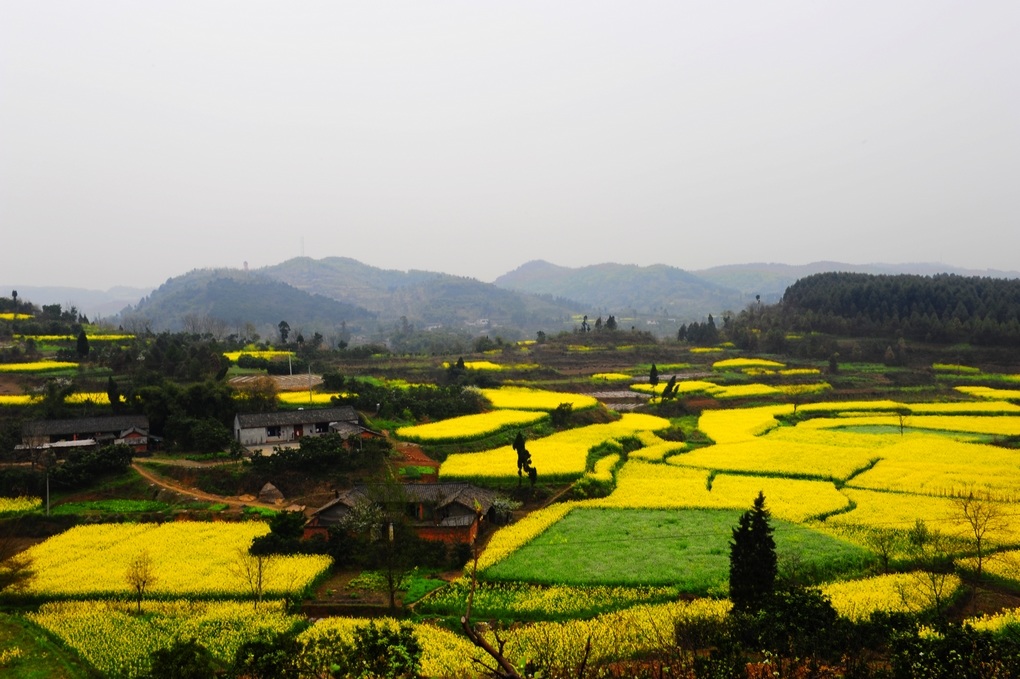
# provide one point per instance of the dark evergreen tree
(653, 376)
(83, 345)
(670, 390)
(113, 393)
(753, 563)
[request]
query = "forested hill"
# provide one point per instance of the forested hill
(424, 298)
(941, 308)
(625, 288)
(230, 299)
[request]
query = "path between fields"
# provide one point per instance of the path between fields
(195, 492)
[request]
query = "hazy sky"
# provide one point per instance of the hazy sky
(140, 140)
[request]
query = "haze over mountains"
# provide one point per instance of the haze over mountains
(334, 291)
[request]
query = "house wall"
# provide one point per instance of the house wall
(255, 436)
(451, 535)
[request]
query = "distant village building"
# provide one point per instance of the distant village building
(285, 426)
(447, 512)
(131, 430)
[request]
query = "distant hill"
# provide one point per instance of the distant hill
(626, 288)
(234, 298)
(423, 297)
(322, 294)
(92, 303)
(771, 280)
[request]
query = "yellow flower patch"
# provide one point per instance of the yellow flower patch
(740, 363)
(990, 392)
(611, 377)
(298, 398)
(731, 426)
(936, 465)
(562, 455)
(94, 397)
(786, 451)
(1005, 565)
(267, 354)
(443, 653)
(36, 366)
(118, 642)
(620, 635)
(893, 593)
(789, 372)
(73, 338)
(996, 622)
(640, 485)
(10, 505)
(11, 316)
(803, 389)
(523, 398)
(899, 511)
(17, 399)
(470, 427)
(190, 559)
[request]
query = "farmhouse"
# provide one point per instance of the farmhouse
(132, 430)
(290, 425)
(447, 512)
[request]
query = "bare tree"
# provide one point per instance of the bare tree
(929, 548)
(982, 516)
(141, 575)
(883, 542)
(251, 570)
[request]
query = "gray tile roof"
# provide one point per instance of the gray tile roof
(438, 494)
(307, 416)
(85, 425)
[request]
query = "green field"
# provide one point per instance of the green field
(40, 656)
(688, 549)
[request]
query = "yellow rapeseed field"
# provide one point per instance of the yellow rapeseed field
(17, 399)
(298, 398)
(619, 635)
(523, 398)
(892, 593)
(444, 654)
(746, 363)
(10, 505)
(604, 468)
(740, 424)
(641, 485)
(611, 377)
(561, 455)
(469, 427)
(111, 337)
(117, 642)
(790, 451)
(269, 354)
(991, 392)
(36, 366)
(189, 558)
(936, 465)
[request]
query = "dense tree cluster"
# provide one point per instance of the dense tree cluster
(943, 309)
(416, 402)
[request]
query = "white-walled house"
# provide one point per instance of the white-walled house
(253, 429)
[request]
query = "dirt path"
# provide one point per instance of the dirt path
(195, 492)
